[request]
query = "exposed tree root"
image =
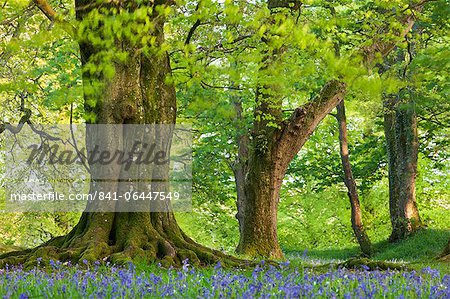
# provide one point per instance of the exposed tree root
(445, 258)
(8, 248)
(367, 264)
(121, 238)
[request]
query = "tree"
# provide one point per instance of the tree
(274, 143)
(250, 61)
(400, 123)
(356, 218)
(126, 79)
(405, 108)
(269, 158)
(350, 183)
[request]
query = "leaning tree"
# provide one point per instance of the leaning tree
(275, 140)
(276, 53)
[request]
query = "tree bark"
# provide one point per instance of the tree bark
(272, 148)
(138, 93)
(240, 166)
(271, 151)
(400, 126)
(356, 218)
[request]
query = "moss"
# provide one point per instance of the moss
(95, 252)
(260, 251)
(445, 258)
(167, 261)
(188, 254)
(120, 258)
(367, 264)
(207, 257)
(46, 253)
(8, 248)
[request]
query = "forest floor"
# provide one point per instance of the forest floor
(288, 280)
(314, 274)
(417, 252)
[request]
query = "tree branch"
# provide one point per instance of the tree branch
(383, 47)
(46, 9)
(191, 32)
(15, 130)
(206, 85)
(51, 14)
(305, 119)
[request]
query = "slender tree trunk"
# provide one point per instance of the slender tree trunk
(357, 224)
(400, 125)
(240, 166)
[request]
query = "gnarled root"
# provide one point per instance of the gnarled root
(121, 238)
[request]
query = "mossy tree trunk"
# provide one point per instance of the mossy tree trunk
(356, 217)
(137, 93)
(400, 126)
(272, 144)
(271, 150)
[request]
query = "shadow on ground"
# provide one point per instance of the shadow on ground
(425, 245)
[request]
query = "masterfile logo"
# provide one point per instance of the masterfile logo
(116, 168)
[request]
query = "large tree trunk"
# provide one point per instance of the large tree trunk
(258, 208)
(400, 126)
(271, 151)
(137, 93)
(273, 144)
(356, 218)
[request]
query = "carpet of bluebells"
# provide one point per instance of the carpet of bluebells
(264, 281)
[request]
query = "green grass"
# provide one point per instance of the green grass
(422, 246)
(418, 251)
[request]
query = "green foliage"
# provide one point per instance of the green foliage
(31, 229)
(421, 247)
(311, 169)
(40, 67)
